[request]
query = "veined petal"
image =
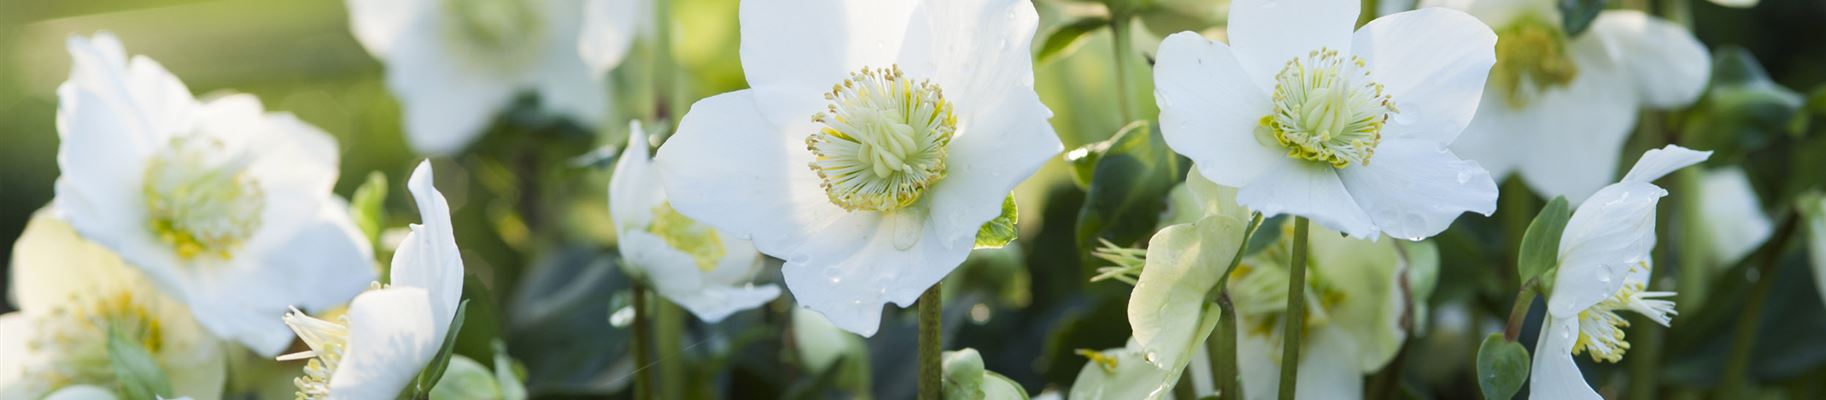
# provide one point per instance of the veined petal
(1433, 62)
(818, 43)
(1606, 237)
(1209, 109)
(1732, 214)
(428, 258)
(1167, 309)
(1415, 189)
(392, 336)
(1128, 375)
(1659, 162)
(1308, 190)
(1667, 64)
(1555, 375)
(1268, 33)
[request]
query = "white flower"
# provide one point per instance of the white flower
(1350, 130)
(1733, 218)
(705, 270)
(225, 207)
(1558, 109)
(70, 292)
(389, 333)
(876, 140)
(455, 63)
(1814, 208)
(1604, 267)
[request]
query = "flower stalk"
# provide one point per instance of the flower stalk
(1221, 345)
(1295, 321)
(642, 341)
(931, 371)
(1119, 39)
(1743, 342)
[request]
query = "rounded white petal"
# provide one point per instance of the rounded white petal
(1667, 64)
(81, 392)
(1607, 236)
(1167, 309)
(51, 263)
(566, 83)
(675, 275)
(392, 336)
(1309, 190)
(429, 258)
(1209, 109)
(1555, 375)
(1433, 62)
(1566, 140)
(1328, 367)
(609, 28)
(818, 43)
(16, 331)
(1132, 378)
(634, 189)
(852, 266)
(445, 102)
(1268, 33)
(1367, 274)
(378, 23)
(1414, 189)
(1732, 214)
(324, 263)
(1657, 163)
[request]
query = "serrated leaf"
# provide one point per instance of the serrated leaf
(138, 373)
(433, 371)
(1129, 188)
(1577, 15)
(1001, 230)
(367, 206)
(1068, 38)
(1541, 244)
(1502, 367)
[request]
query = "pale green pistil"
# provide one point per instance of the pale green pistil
(883, 140)
(1326, 109)
(1531, 56)
(198, 202)
(696, 240)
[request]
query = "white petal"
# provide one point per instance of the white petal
(1555, 375)
(609, 27)
(51, 263)
(1132, 378)
(999, 149)
(1414, 189)
(848, 269)
(1667, 64)
(16, 332)
(634, 189)
(445, 102)
(1167, 309)
(818, 43)
(1433, 62)
(324, 263)
(1209, 109)
(429, 258)
(566, 83)
(1659, 162)
(1308, 190)
(1569, 138)
(1328, 367)
(731, 167)
(1732, 214)
(1366, 274)
(81, 392)
(1607, 236)
(378, 23)
(675, 275)
(1268, 33)
(1736, 3)
(391, 337)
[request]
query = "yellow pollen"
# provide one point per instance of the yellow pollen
(883, 140)
(696, 240)
(199, 201)
(1531, 57)
(1326, 109)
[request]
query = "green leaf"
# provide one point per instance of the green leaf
(997, 386)
(1129, 188)
(1502, 366)
(428, 377)
(1541, 244)
(1083, 161)
(1068, 38)
(367, 206)
(1001, 230)
(1742, 110)
(139, 374)
(1578, 14)
(963, 375)
(1167, 17)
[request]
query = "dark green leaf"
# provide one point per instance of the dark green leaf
(1742, 110)
(1541, 244)
(1001, 230)
(1067, 38)
(139, 374)
(1129, 188)
(1502, 366)
(428, 377)
(1578, 14)
(1083, 161)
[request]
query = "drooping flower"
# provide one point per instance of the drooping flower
(454, 64)
(226, 208)
(701, 268)
(1350, 130)
(390, 332)
(1813, 207)
(72, 293)
(1604, 266)
(1557, 109)
(873, 145)
(1734, 222)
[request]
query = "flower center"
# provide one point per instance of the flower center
(200, 201)
(327, 340)
(694, 239)
(76, 336)
(1258, 288)
(1326, 109)
(883, 140)
(1601, 328)
(1531, 56)
(500, 33)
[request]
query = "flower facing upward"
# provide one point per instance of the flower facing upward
(226, 208)
(1558, 108)
(1604, 267)
(389, 333)
(873, 145)
(705, 270)
(1350, 130)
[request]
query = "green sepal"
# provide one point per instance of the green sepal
(1000, 231)
(1068, 38)
(1540, 250)
(427, 378)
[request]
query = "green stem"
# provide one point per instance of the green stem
(643, 376)
(931, 372)
(1737, 367)
(1517, 211)
(1518, 313)
(1119, 37)
(1295, 321)
(670, 106)
(668, 340)
(1221, 345)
